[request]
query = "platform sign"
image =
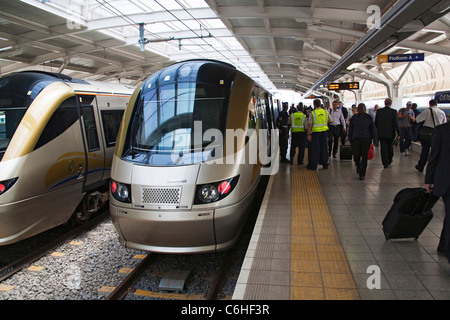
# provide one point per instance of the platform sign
(442, 97)
(413, 57)
(344, 86)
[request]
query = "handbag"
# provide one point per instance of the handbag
(371, 153)
(424, 133)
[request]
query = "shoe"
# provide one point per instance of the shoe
(325, 168)
(406, 152)
(403, 154)
(334, 156)
(357, 169)
(361, 177)
(418, 168)
(310, 168)
(386, 166)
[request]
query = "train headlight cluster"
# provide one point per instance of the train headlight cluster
(121, 191)
(6, 185)
(211, 192)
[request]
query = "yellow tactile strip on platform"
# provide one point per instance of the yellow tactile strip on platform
(319, 268)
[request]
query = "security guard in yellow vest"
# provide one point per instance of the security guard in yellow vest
(298, 135)
(317, 131)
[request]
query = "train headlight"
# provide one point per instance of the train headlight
(121, 191)
(6, 185)
(208, 193)
(211, 192)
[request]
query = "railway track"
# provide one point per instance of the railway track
(20, 263)
(214, 292)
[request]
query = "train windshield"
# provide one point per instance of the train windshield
(17, 92)
(174, 111)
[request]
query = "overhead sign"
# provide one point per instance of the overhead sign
(442, 97)
(413, 57)
(344, 86)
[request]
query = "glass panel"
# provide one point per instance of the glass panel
(90, 128)
(175, 108)
(111, 125)
(165, 126)
(17, 92)
(63, 118)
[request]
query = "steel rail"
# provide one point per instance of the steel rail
(17, 265)
(122, 289)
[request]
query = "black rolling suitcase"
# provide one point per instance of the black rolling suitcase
(345, 152)
(410, 214)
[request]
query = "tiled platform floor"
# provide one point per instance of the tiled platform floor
(319, 245)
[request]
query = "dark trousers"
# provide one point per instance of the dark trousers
(444, 242)
(319, 152)
(360, 150)
(333, 137)
(424, 154)
(386, 151)
(343, 136)
(405, 138)
(298, 140)
(284, 143)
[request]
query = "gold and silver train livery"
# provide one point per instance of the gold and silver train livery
(168, 195)
(57, 137)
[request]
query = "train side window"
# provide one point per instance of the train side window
(90, 128)
(111, 122)
(63, 118)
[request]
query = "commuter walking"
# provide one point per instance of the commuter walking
(298, 136)
(361, 133)
(437, 179)
(405, 119)
(386, 123)
(345, 114)
(318, 136)
(414, 125)
(431, 117)
(335, 128)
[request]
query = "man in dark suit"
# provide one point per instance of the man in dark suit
(438, 176)
(386, 123)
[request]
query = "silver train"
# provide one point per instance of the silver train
(57, 138)
(173, 189)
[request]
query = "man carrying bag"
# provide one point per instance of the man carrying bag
(427, 121)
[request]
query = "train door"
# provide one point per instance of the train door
(94, 150)
(61, 144)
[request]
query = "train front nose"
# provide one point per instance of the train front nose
(160, 218)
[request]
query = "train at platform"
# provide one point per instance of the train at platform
(57, 138)
(173, 186)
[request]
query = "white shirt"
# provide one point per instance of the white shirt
(337, 117)
(439, 117)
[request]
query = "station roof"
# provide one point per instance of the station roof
(283, 44)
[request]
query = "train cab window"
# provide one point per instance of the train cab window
(111, 123)
(17, 92)
(90, 128)
(171, 104)
(63, 118)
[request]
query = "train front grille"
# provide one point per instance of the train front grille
(161, 195)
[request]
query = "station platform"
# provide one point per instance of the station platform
(319, 236)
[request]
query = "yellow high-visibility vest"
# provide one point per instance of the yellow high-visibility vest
(320, 120)
(297, 123)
